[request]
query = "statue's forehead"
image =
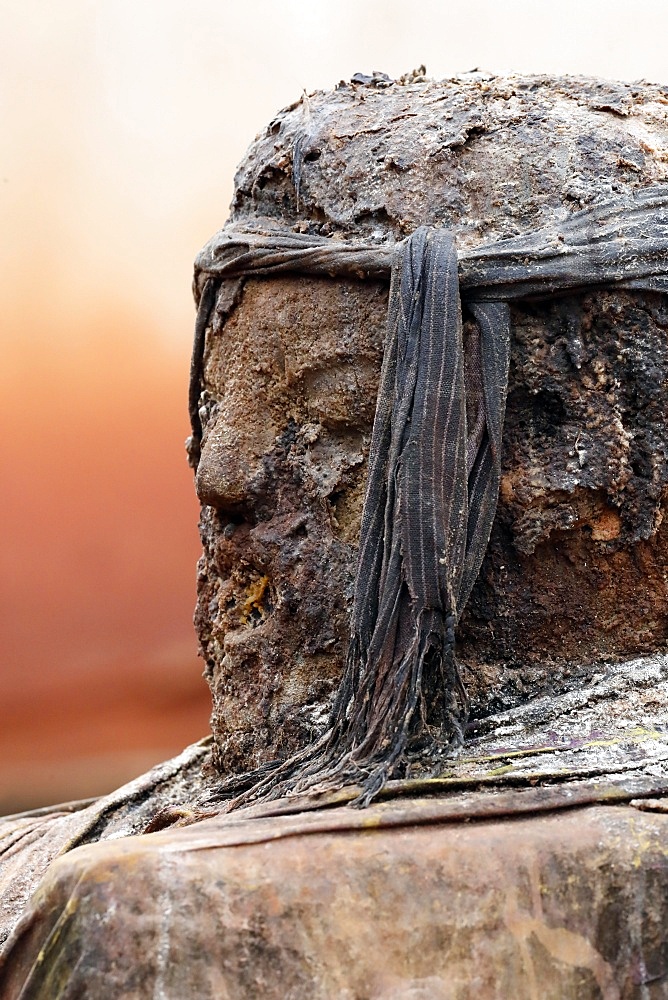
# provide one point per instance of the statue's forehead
(306, 348)
(307, 314)
(303, 320)
(296, 323)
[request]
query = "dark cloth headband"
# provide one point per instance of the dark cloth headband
(433, 479)
(623, 242)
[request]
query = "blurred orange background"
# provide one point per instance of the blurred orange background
(120, 127)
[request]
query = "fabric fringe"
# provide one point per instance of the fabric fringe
(430, 501)
(434, 470)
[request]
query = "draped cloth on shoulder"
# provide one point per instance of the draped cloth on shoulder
(435, 457)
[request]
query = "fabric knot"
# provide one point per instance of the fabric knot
(435, 459)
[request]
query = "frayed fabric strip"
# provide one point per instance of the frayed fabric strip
(433, 481)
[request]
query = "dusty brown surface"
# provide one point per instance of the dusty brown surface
(295, 380)
(487, 156)
(576, 569)
(603, 742)
(572, 904)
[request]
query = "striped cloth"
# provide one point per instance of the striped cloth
(435, 458)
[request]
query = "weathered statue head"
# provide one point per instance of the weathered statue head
(575, 572)
(335, 411)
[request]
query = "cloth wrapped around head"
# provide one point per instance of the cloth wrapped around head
(435, 460)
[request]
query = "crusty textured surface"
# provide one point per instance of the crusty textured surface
(487, 156)
(576, 568)
(575, 574)
(294, 375)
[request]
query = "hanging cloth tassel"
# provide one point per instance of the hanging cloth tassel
(431, 496)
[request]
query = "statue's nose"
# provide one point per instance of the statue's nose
(230, 470)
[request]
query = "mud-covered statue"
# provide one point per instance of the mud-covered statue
(496, 644)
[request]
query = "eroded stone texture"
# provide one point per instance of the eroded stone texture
(30, 841)
(605, 741)
(422, 898)
(294, 378)
(576, 569)
(568, 904)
